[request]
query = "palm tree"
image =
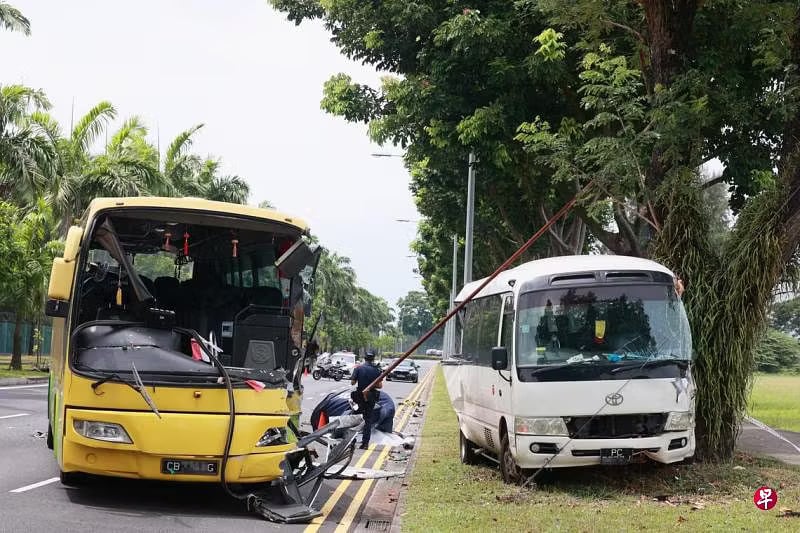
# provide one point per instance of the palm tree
(28, 250)
(128, 165)
(11, 19)
(27, 154)
(190, 175)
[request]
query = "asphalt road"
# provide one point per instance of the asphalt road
(32, 499)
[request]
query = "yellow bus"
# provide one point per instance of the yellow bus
(178, 341)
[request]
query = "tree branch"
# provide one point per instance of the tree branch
(556, 238)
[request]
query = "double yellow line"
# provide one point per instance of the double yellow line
(407, 409)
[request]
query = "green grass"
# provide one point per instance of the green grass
(444, 495)
(28, 367)
(775, 400)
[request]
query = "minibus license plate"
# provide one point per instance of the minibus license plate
(615, 456)
(181, 466)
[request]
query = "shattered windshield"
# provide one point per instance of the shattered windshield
(163, 292)
(601, 324)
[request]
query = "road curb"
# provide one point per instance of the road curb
(6, 382)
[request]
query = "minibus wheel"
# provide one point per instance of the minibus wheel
(511, 473)
(467, 450)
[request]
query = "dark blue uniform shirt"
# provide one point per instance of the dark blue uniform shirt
(365, 374)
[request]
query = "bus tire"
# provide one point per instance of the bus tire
(467, 450)
(49, 438)
(512, 474)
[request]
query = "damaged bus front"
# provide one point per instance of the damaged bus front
(574, 361)
(174, 321)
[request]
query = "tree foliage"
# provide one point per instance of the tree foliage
(353, 318)
(414, 314)
(635, 96)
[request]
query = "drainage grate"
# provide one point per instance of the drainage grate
(378, 525)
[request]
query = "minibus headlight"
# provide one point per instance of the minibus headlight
(679, 421)
(105, 431)
(540, 426)
(273, 437)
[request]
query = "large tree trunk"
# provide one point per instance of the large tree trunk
(16, 350)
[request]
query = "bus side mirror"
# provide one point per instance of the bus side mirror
(62, 274)
(499, 358)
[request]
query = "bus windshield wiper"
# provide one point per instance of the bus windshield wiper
(138, 385)
(627, 365)
(565, 365)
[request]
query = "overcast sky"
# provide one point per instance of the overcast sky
(255, 80)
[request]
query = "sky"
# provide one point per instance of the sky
(255, 80)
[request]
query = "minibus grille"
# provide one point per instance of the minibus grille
(616, 426)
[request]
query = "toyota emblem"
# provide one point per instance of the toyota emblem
(614, 399)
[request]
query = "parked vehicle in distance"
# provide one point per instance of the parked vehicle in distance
(347, 360)
(405, 371)
(571, 361)
(433, 351)
(330, 369)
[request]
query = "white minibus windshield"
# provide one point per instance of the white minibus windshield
(608, 324)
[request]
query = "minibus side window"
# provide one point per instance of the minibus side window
(507, 327)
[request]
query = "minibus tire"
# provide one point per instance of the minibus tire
(467, 450)
(49, 438)
(512, 474)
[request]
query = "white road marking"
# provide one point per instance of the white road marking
(23, 386)
(35, 485)
(13, 416)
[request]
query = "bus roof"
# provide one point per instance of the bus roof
(567, 264)
(197, 204)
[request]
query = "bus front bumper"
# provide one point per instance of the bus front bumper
(174, 437)
(665, 448)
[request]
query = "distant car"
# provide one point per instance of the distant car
(433, 351)
(405, 371)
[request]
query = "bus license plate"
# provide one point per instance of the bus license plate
(185, 467)
(615, 456)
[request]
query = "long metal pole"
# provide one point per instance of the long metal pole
(449, 328)
(470, 219)
(516, 255)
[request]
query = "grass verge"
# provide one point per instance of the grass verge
(445, 495)
(28, 367)
(775, 400)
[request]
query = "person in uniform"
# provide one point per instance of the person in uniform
(362, 376)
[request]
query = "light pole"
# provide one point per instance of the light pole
(470, 218)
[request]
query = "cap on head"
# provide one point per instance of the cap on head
(370, 355)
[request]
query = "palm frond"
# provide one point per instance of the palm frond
(132, 127)
(91, 125)
(13, 20)
(179, 147)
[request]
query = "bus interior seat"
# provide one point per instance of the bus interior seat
(257, 334)
(167, 292)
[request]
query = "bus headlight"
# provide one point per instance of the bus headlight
(105, 431)
(273, 437)
(540, 426)
(679, 421)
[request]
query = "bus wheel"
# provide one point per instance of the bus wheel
(73, 479)
(49, 439)
(467, 450)
(511, 473)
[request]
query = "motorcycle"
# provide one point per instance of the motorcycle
(329, 370)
